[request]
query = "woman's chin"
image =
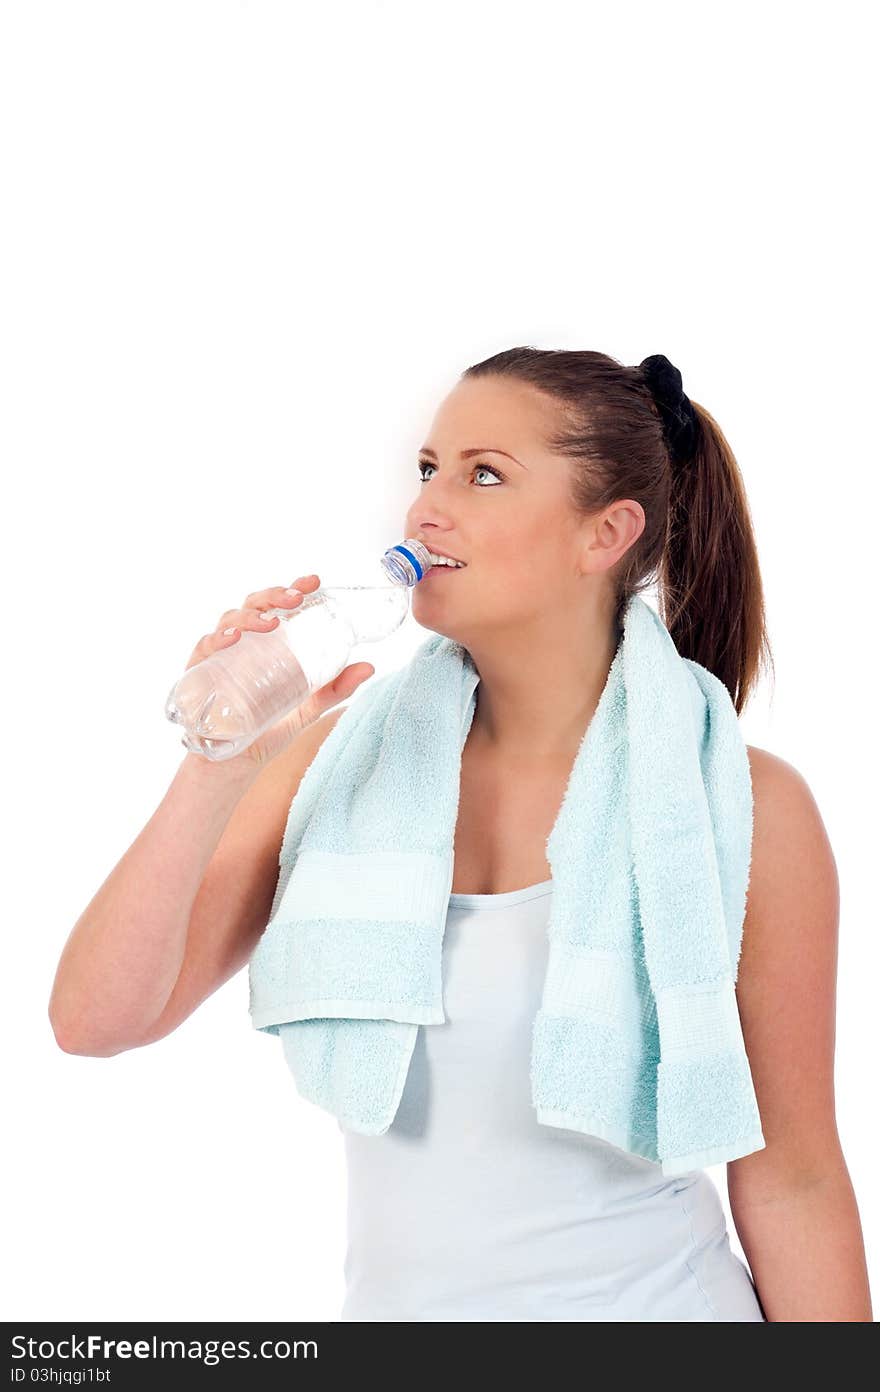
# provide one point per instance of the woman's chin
(435, 623)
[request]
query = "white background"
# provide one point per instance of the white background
(247, 248)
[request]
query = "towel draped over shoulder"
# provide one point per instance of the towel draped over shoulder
(638, 1037)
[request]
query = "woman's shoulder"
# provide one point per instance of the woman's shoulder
(792, 905)
(779, 785)
(786, 979)
(788, 826)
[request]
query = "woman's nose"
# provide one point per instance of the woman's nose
(429, 512)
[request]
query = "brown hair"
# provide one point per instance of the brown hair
(698, 543)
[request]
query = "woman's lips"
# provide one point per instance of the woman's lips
(451, 570)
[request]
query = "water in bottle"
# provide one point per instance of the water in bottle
(229, 699)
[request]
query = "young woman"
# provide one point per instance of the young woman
(565, 482)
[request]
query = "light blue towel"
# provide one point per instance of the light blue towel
(638, 1038)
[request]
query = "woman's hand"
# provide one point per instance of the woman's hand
(252, 616)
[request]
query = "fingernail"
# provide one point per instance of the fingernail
(227, 632)
(296, 593)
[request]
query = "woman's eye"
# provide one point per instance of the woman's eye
(486, 469)
(479, 469)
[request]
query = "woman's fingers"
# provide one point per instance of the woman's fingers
(268, 599)
(252, 616)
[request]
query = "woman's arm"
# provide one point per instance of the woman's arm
(793, 1203)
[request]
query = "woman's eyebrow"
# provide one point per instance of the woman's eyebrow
(466, 454)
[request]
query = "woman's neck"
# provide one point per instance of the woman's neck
(538, 697)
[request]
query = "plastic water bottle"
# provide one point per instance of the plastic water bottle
(229, 699)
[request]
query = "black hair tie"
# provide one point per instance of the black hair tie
(680, 424)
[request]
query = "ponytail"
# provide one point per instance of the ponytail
(711, 595)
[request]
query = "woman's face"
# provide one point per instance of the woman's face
(510, 519)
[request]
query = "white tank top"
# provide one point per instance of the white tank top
(467, 1209)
